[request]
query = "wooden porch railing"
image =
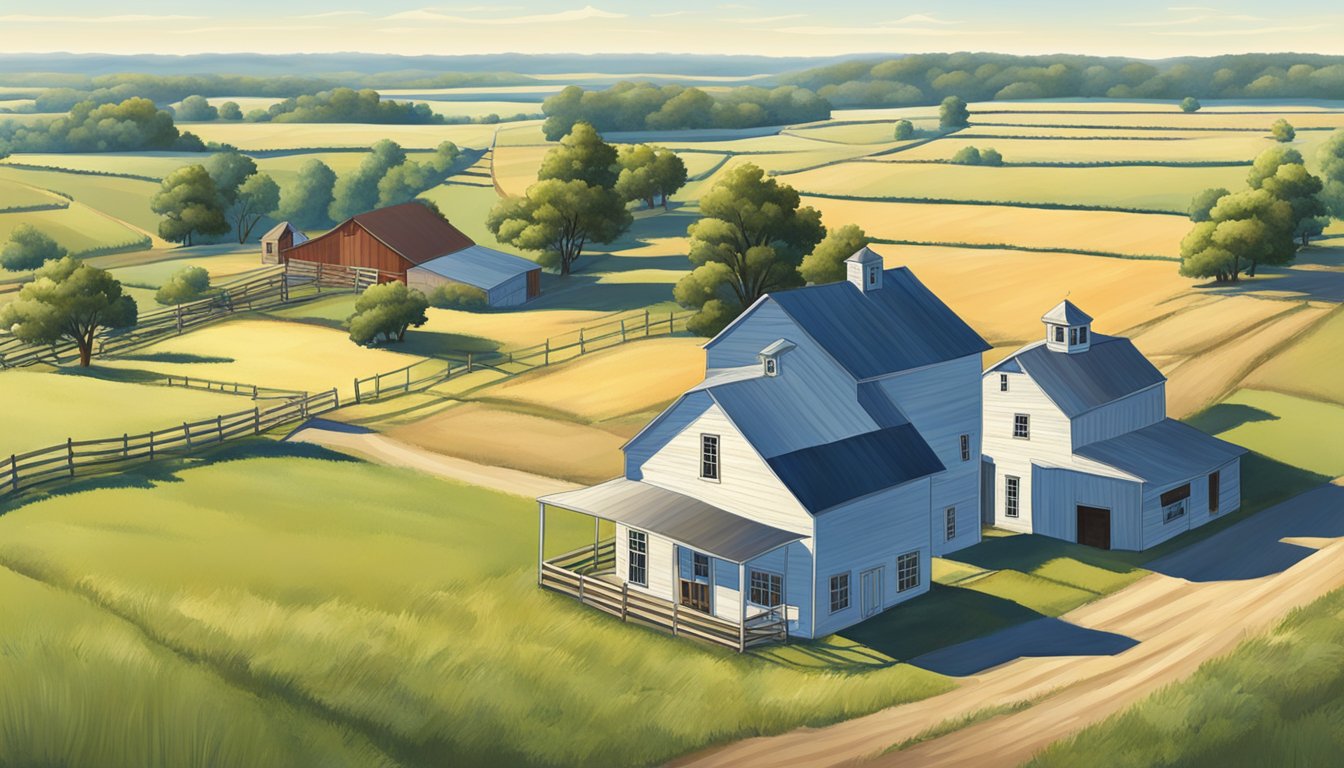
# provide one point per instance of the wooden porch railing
(578, 574)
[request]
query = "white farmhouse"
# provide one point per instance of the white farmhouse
(831, 450)
(1079, 446)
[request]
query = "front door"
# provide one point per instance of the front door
(695, 595)
(870, 591)
(1094, 527)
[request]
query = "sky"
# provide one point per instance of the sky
(1140, 28)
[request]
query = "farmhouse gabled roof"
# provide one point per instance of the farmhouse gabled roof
(1066, 313)
(275, 232)
(1163, 453)
(414, 231)
(1078, 382)
(825, 476)
(900, 327)
(477, 265)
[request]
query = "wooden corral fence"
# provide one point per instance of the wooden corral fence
(233, 388)
(579, 574)
(261, 289)
(415, 377)
(79, 458)
(333, 275)
(567, 346)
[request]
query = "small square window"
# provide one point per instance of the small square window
(872, 276)
(270, 247)
(839, 592)
(965, 447)
(1003, 382)
(1073, 336)
(907, 571)
(700, 565)
(1022, 426)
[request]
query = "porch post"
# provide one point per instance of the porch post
(676, 587)
(597, 533)
(742, 607)
(541, 538)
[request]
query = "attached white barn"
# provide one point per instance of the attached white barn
(832, 449)
(507, 280)
(1079, 446)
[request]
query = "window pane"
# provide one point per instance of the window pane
(638, 571)
(839, 592)
(950, 518)
(709, 457)
(965, 447)
(1021, 425)
(907, 571)
(1010, 496)
(1003, 382)
(701, 566)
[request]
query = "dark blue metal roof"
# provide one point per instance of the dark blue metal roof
(900, 326)
(1163, 453)
(827, 475)
(1080, 381)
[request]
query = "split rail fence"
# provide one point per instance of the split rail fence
(81, 458)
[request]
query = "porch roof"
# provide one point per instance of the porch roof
(685, 520)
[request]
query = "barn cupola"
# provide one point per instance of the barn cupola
(864, 270)
(1068, 329)
(770, 364)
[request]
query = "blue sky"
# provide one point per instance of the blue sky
(773, 27)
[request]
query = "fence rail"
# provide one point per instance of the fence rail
(233, 388)
(76, 458)
(602, 336)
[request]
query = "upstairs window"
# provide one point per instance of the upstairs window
(1022, 426)
(1082, 335)
(872, 275)
(950, 523)
(1003, 382)
(965, 447)
(1059, 333)
(709, 457)
(700, 565)
(1073, 336)
(270, 247)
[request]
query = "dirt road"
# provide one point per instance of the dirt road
(1178, 624)
(384, 450)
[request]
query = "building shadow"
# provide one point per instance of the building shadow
(1044, 636)
(1228, 416)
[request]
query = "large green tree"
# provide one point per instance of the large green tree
(1190, 104)
(1244, 229)
(1283, 131)
(357, 191)
(750, 240)
(952, 113)
(384, 312)
(196, 109)
(1203, 201)
(257, 198)
(558, 219)
(29, 248)
(403, 182)
(583, 156)
(1330, 158)
(306, 201)
(68, 299)
(1281, 171)
(190, 204)
(649, 174)
(826, 263)
(229, 170)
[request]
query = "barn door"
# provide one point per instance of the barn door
(1094, 527)
(870, 591)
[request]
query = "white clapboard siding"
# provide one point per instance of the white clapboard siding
(1059, 491)
(1155, 528)
(943, 402)
(725, 601)
(868, 533)
(747, 486)
(668, 425)
(662, 564)
(766, 324)
(1050, 441)
(1139, 410)
(793, 562)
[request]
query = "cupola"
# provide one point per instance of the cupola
(864, 270)
(1068, 329)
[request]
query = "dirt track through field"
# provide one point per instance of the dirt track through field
(385, 450)
(1179, 625)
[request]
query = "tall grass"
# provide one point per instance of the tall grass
(1278, 700)
(404, 610)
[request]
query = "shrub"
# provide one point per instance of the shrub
(384, 312)
(1283, 131)
(186, 284)
(29, 248)
(904, 130)
(461, 296)
(1190, 104)
(967, 156)
(990, 156)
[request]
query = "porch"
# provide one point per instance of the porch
(684, 568)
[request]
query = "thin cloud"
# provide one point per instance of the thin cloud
(765, 19)
(1238, 32)
(923, 18)
(332, 14)
(580, 14)
(668, 15)
(19, 18)
(882, 30)
(1192, 20)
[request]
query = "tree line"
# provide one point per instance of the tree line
(130, 125)
(1281, 208)
(927, 78)
(629, 106)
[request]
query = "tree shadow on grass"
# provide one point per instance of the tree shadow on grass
(124, 375)
(173, 357)
(586, 292)
(1224, 417)
(453, 346)
(149, 475)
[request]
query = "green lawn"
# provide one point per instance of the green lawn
(396, 610)
(77, 228)
(126, 199)
(1293, 430)
(1277, 700)
(1299, 370)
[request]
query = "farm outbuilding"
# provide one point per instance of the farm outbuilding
(506, 280)
(281, 237)
(413, 244)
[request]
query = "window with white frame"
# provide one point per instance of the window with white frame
(1003, 382)
(1082, 335)
(709, 457)
(907, 571)
(1173, 503)
(965, 447)
(839, 592)
(700, 565)
(1059, 333)
(1022, 426)
(638, 571)
(1073, 336)
(950, 523)
(771, 366)
(1010, 486)
(767, 588)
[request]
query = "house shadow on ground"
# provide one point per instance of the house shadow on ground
(1044, 636)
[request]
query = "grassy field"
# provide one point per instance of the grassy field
(1274, 701)
(368, 609)
(124, 199)
(261, 136)
(267, 353)
(1292, 430)
(157, 164)
(13, 195)
(227, 263)
(1309, 368)
(1236, 147)
(77, 228)
(101, 403)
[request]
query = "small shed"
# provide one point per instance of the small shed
(507, 280)
(281, 237)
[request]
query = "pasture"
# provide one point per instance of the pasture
(340, 619)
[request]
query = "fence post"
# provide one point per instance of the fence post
(471, 364)
(335, 398)
(670, 315)
(408, 378)
(646, 323)
(356, 390)
(219, 427)
(547, 359)
(625, 599)
(377, 385)
(256, 420)
(582, 348)
(179, 319)
(151, 445)
(14, 471)
(254, 391)
(125, 445)
(186, 432)
(70, 454)
(622, 331)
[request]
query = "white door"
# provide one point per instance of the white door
(870, 591)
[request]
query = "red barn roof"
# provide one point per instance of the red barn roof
(414, 231)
